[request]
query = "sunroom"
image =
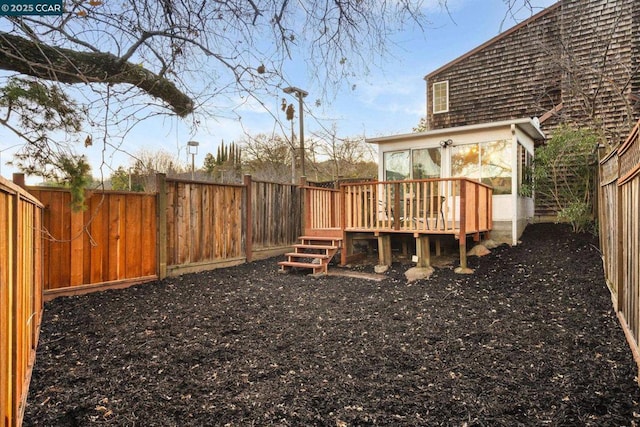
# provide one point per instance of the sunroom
(497, 154)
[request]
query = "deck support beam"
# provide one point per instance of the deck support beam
(384, 249)
(423, 249)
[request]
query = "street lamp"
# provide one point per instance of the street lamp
(300, 94)
(192, 146)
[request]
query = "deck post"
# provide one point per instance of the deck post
(424, 251)
(347, 242)
(384, 249)
(462, 238)
(305, 206)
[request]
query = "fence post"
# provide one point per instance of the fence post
(18, 179)
(17, 354)
(618, 225)
(346, 241)
(161, 216)
(248, 219)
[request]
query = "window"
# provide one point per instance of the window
(525, 172)
(397, 165)
(488, 162)
(441, 97)
(426, 163)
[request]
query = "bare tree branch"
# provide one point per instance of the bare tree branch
(69, 66)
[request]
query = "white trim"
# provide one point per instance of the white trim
(528, 126)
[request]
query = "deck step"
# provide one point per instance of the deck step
(300, 264)
(320, 247)
(320, 239)
(306, 255)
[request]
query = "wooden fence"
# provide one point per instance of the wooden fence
(204, 225)
(111, 242)
(619, 217)
(20, 297)
(123, 238)
(276, 219)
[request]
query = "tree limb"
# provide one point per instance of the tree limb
(69, 66)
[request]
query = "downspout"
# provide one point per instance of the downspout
(514, 186)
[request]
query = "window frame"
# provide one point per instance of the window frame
(436, 100)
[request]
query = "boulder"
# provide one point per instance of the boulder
(379, 269)
(418, 273)
(478, 250)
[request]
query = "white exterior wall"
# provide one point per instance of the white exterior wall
(511, 212)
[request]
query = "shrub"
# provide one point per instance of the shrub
(564, 171)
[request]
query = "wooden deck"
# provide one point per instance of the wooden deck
(459, 207)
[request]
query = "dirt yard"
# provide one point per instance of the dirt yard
(529, 339)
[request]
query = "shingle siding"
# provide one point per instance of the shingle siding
(509, 79)
(583, 53)
(598, 64)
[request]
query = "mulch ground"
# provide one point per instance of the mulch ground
(529, 339)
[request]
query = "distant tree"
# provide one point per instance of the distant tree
(126, 180)
(346, 157)
(267, 158)
(226, 166)
(421, 126)
(209, 164)
(143, 168)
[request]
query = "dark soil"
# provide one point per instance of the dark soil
(529, 339)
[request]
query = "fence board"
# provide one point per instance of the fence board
(20, 297)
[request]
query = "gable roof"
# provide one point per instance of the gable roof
(496, 38)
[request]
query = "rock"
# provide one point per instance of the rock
(379, 269)
(418, 273)
(479, 250)
(461, 270)
(490, 244)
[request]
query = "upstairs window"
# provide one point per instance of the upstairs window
(441, 97)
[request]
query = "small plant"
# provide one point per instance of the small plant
(564, 173)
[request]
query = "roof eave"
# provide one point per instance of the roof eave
(527, 125)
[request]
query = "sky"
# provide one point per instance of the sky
(389, 100)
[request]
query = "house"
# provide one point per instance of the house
(576, 61)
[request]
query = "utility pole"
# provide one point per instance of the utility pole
(300, 94)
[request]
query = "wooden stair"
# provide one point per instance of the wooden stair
(313, 253)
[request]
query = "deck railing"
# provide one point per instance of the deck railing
(323, 212)
(431, 206)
